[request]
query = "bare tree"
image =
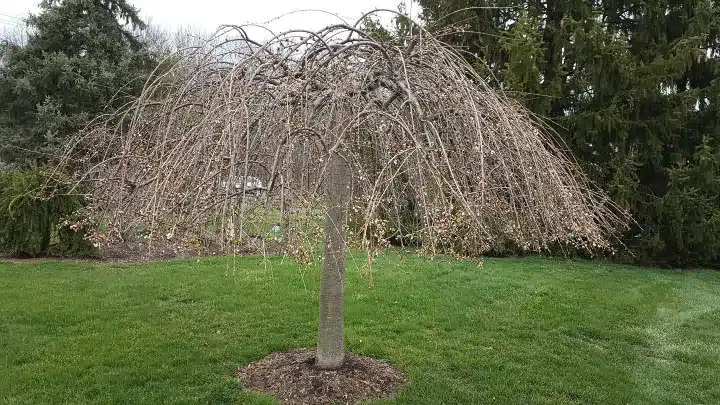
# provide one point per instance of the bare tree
(164, 42)
(329, 120)
(13, 34)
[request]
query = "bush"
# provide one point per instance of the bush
(32, 217)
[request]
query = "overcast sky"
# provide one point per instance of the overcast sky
(209, 14)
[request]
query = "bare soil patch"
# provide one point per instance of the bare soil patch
(293, 378)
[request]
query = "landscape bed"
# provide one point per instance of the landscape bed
(509, 331)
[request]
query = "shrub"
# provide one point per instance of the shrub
(32, 217)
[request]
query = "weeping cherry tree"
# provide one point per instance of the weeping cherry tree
(340, 123)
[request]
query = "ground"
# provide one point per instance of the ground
(512, 331)
(294, 379)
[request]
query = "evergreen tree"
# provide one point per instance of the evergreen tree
(81, 59)
(631, 86)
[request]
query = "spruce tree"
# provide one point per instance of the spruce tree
(81, 59)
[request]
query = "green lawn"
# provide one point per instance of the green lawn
(509, 332)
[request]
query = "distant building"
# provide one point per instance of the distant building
(251, 186)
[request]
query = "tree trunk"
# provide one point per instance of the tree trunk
(331, 334)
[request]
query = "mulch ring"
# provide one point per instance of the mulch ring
(293, 378)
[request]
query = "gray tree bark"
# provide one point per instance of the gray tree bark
(331, 333)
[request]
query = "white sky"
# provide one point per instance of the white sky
(209, 14)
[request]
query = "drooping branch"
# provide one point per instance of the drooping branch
(429, 144)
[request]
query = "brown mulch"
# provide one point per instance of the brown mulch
(293, 378)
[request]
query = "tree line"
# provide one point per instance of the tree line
(630, 88)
